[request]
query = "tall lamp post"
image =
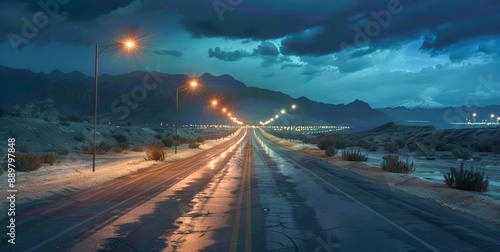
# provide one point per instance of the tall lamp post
(214, 103)
(293, 109)
(192, 84)
(127, 44)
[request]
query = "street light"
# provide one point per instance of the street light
(192, 84)
(214, 103)
(293, 109)
(127, 44)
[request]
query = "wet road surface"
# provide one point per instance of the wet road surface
(247, 194)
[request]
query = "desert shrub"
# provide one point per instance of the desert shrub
(331, 151)
(325, 142)
(354, 155)
(158, 136)
(392, 163)
(168, 142)
(49, 158)
(120, 138)
(471, 180)
(22, 147)
(342, 143)
(103, 147)
(63, 151)
(28, 162)
(137, 148)
(193, 145)
(78, 136)
(117, 149)
(123, 145)
(412, 146)
(461, 152)
(200, 139)
(400, 142)
(154, 151)
(87, 149)
(496, 149)
(391, 147)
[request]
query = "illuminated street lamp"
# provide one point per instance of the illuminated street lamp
(128, 45)
(293, 106)
(191, 84)
(214, 103)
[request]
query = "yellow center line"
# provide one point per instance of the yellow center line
(248, 227)
(236, 227)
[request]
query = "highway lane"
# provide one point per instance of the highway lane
(334, 210)
(59, 224)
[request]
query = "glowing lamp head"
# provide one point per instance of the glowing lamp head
(224, 110)
(282, 111)
(129, 44)
(294, 106)
(214, 102)
(193, 83)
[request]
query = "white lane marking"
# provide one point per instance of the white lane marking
(365, 206)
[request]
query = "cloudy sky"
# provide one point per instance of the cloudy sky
(385, 52)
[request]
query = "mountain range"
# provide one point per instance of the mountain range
(148, 98)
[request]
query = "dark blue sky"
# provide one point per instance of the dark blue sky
(385, 52)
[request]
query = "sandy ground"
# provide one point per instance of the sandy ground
(74, 172)
(485, 205)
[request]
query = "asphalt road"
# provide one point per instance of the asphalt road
(247, 194)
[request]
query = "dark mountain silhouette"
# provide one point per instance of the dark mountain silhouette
(149, 98)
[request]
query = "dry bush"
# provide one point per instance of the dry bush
(154, 151)
(331, 151)
(354, 155)
(193, 145)
(29, 162)
(49, 158)
(471, 180)
(392, 163)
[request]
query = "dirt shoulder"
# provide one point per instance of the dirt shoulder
(465, 201)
